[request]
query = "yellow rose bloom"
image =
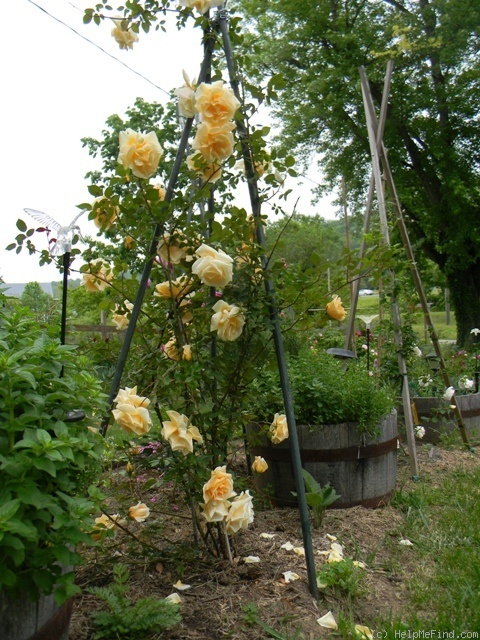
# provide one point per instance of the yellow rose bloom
(99, 278)
(214, 142)
(129, 396)
(259, 465)
(105, 213)
(214, 268)
(139, 512)
(220, 486)
(186, 98)
(215, 511)
(216, 103)
(139, 152)
(279, 428)
(208, 172)
(227, 321)
(169, 247)
(134, 419)
(335, 309)
(180, 433)
(125, 38)
(240, 514)
(202, 6)
(173, 288)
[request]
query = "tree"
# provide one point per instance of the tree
(43, 306)
(433, 124)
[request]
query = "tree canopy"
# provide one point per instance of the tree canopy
(433, 124)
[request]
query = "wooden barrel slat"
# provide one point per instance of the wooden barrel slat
(362, 473)
(25, 620)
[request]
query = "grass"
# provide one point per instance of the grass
(442, 523)
(369, 304)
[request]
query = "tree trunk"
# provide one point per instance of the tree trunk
(465, 298)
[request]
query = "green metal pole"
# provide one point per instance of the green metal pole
(222, 21)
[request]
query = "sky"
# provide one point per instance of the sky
(61, 81)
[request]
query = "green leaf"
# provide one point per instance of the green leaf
(8, 510)
(45, 465)
(21, 226)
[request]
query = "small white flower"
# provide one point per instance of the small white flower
(417, 351)
(425, 381)
(475, 332)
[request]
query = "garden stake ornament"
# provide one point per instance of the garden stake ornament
(220, 23)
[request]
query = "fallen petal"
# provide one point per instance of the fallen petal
(321, 585)
(406, 542)
(174, 598)
(337, 548)
(290, 576)
(334, 557)
(268, 536)
(360, 564)
(330, 537)
(251, 559)
(364, 632)
(300, 551)
(288, 546)
(180, 586)
(327, 621)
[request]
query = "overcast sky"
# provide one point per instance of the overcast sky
(58, 88)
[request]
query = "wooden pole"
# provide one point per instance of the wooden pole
(382, 157)
(375, 134)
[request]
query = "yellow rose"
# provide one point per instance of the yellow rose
(161, 191)
(121, 320)
(214, 268)
(170, 247)
(220, 486)
(202, 6)
(259, 465)
(187, 352)
(227, 321)
(279, 428)
(208, 172)
(186, 98)
(171, 351)
(139, 152)
(105, 213)
(180, 433)
(129, 242)
(124, 37)
(214, 142)
(134, 419)
(129, 396)
(106, 522)
(335, 309)
(173, 288)
(215, 511)
(139, 512)
(99, 277)
(216, 103)
(240, 514)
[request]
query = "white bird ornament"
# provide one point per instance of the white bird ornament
(62, 244)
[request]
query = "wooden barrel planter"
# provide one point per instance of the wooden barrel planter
(438, 422)
(22, 619)
(363, 473)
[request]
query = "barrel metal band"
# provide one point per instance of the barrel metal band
(329, 455)
(57, 625)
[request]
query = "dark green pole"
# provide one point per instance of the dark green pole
(222, 21)
(159, 228)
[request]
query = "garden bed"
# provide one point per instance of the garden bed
(214, 605)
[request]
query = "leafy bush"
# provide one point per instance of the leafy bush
(326, 391)
(46, 463)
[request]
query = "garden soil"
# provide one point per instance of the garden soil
(213, 608)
